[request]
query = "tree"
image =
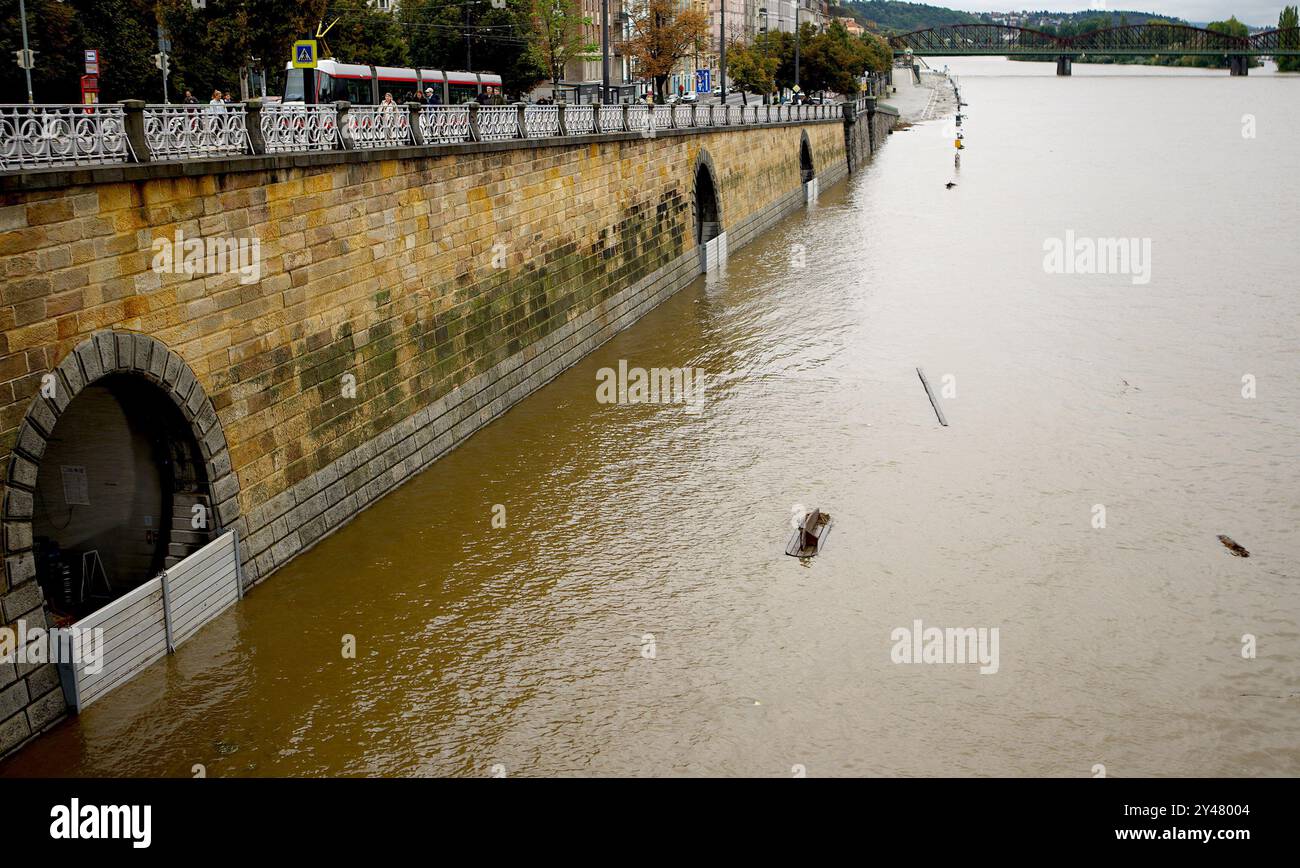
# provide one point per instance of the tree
(834, 61)
(1288, 22)
(557, 36)
(778, 45)
(364, 33)
(880, 56)
(1231, 27)
(751, 69)
(662, 34)
(54, 33)
(436, 35)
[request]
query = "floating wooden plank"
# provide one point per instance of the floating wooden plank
(934, 402)
(809, 537)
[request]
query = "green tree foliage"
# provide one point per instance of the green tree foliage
(210, 46)
(751, 69)
(54, 32)
(1289, 20)
(363, 34)
(436, 30)
(829, 61)
(662, 33)
(835, 61)
(556, 36)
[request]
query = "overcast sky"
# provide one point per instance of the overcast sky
(1256, 12)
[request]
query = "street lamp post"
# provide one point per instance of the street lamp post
(27, 64)
(469, 50)
(797, 6)
(767, 28)
(604, 50)
(722, 41)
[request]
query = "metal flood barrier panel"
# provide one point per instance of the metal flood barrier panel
(148, 622)
(714, 254)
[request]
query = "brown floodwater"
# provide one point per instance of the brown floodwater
(525, 650)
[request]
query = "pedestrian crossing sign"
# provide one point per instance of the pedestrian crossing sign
(304, 54)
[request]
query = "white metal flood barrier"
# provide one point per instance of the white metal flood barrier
(149, 621)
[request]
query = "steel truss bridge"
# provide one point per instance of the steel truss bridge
(1139, 40)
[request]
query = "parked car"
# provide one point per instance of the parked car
(690, 97)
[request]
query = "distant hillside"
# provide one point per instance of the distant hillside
(891, 16)
(1114, 18)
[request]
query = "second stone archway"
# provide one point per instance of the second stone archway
(710, 231)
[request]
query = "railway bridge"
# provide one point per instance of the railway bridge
(1139, 40)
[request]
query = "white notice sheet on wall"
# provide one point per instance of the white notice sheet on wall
(76, 492)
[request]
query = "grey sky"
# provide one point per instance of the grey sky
(1256, 12)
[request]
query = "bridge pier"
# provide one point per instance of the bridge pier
(1238, 64)
(1063, 64)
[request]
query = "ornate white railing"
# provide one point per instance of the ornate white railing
(611, 118)
(380, 126)
(580, 120)
(496, 122)
(36, 136)
(638, 118)
(62, 135)
(300, 128)
(444, 124)
(541, 121)
(178, 132)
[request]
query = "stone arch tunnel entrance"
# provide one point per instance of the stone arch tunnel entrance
(806, 170)
(114, 494)
(708, 222)
(709, 234)
(115, 485)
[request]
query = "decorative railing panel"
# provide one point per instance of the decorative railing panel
(611, 118)
(38, 136)
(541, 121)
(580, 120)
(178, 132)
(300, 128)
(444, 124)
(638, 118)
(497, 122)
(380, 126)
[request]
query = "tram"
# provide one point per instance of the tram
(362, 84)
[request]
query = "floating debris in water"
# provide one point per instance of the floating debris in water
(810, 532)
(1231, 545)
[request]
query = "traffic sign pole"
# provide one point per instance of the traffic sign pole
(305, 56)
